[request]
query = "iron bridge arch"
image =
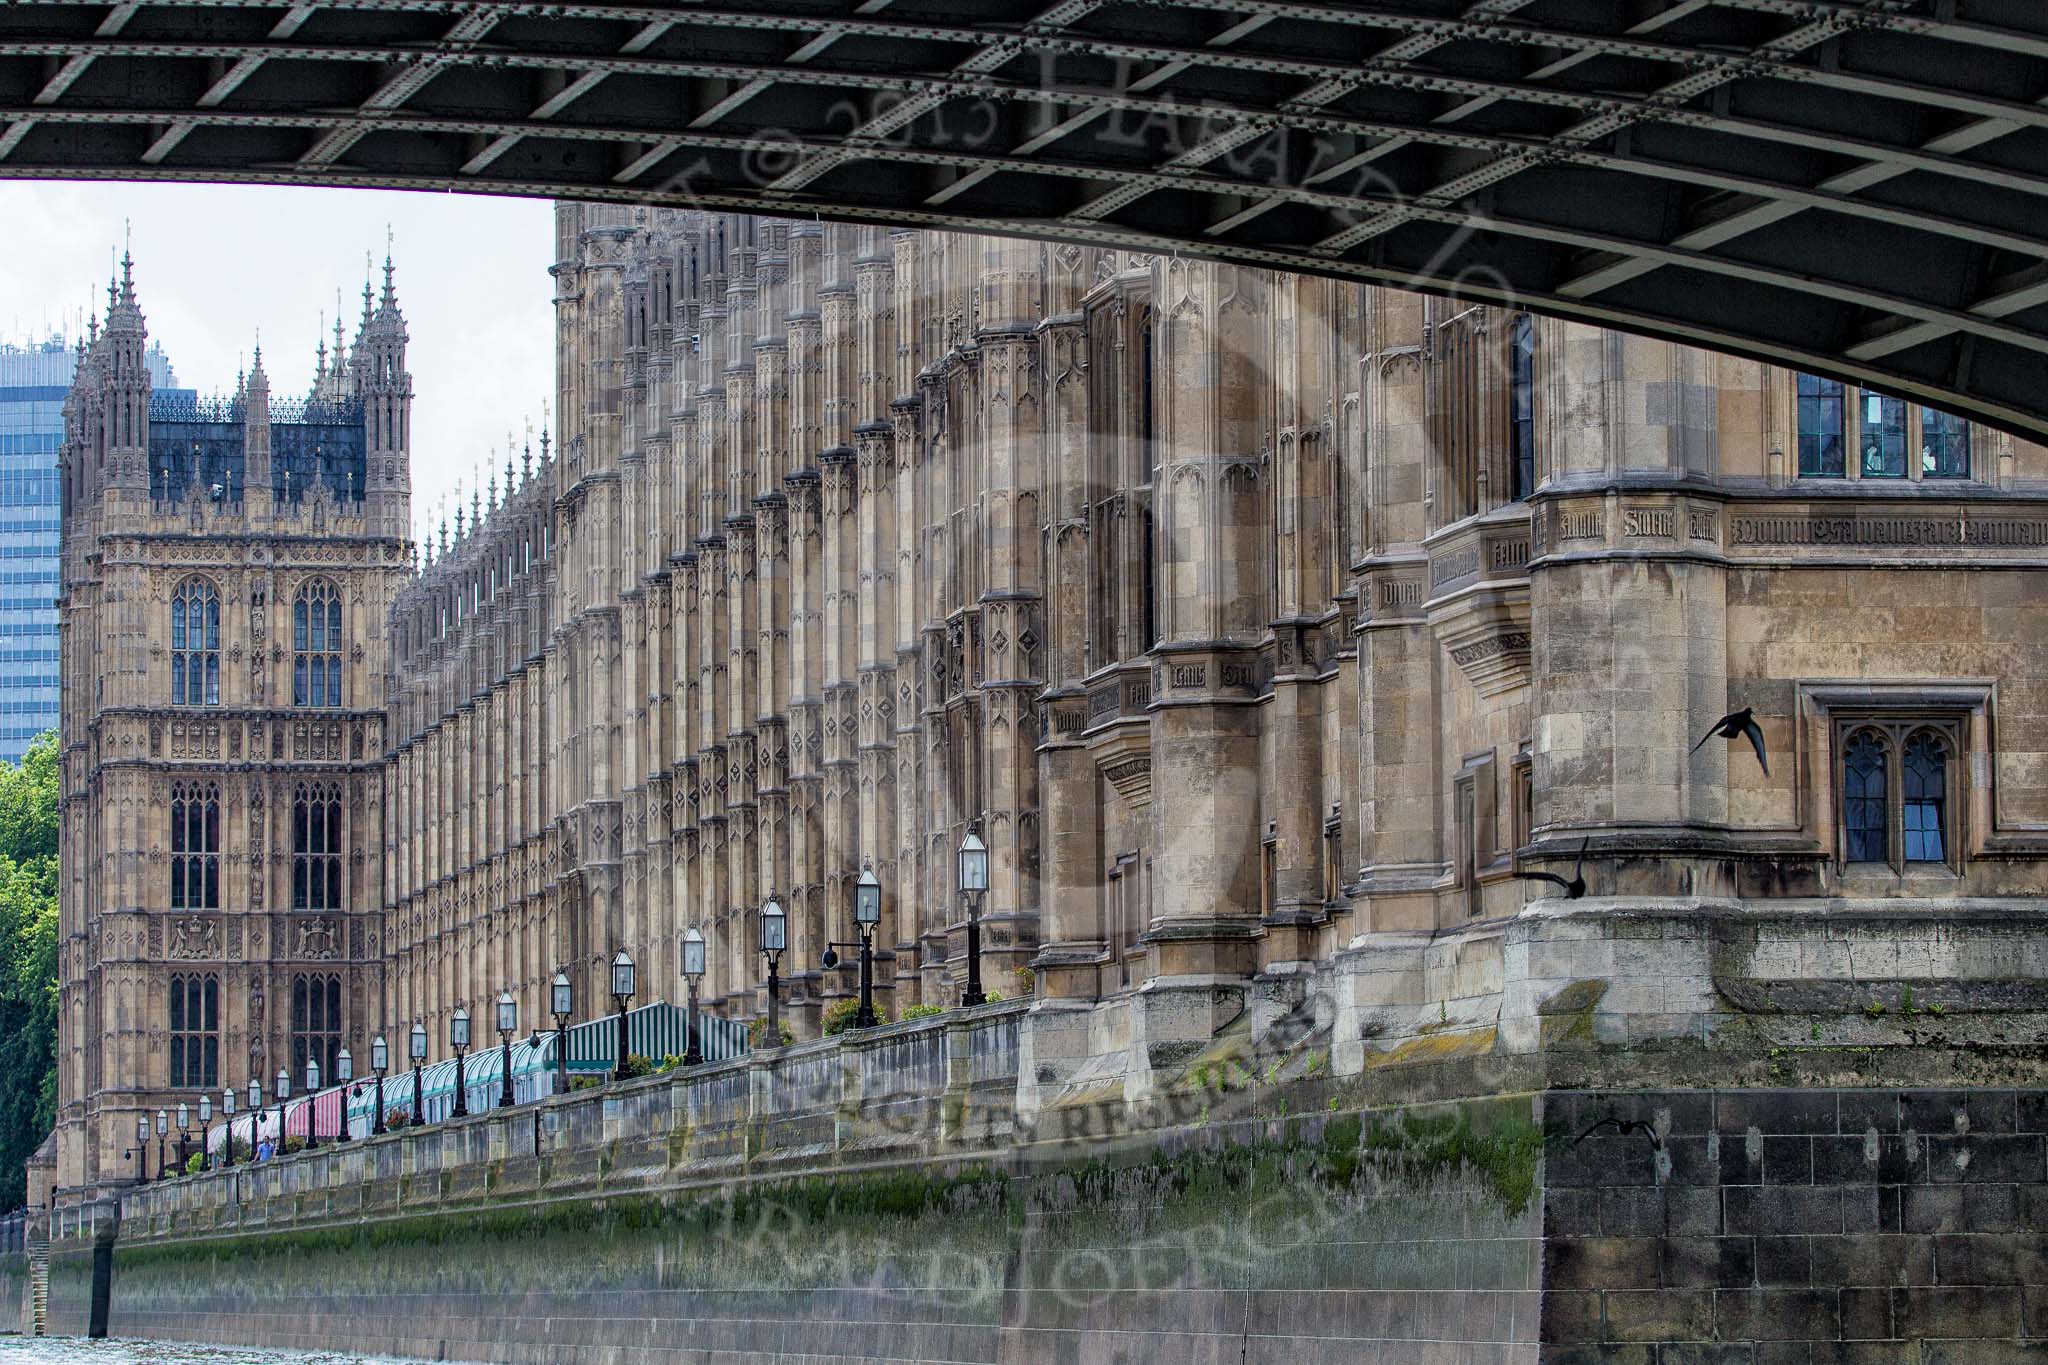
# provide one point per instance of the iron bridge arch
(1854, 187)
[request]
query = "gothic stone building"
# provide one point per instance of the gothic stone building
(228, 569)
(1266, 626)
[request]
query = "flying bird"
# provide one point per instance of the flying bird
(1573, 889)
(1735, 725)
(1622, 1126)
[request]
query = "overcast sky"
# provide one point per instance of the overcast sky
(214, 264)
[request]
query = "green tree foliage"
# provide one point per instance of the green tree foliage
(28, 961)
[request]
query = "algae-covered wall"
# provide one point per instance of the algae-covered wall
(13, 1286)
(1319, 1238)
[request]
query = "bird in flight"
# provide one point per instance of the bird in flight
(1573, 889)
(1733, 726)
(1622, 1126)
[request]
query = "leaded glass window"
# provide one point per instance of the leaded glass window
(1820, 428)
(1944, 445)
(316, 847)
(1926, 798)
(1863, 798)
(195, 644)
(1884, 436)
(195, 1032)
(1898, 806)
(1522, 406)
(316, 1021)
(195, 846)
(316, 645)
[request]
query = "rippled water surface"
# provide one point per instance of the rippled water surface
(74, 1351)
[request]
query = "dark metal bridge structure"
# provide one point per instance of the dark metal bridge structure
(1855, 187)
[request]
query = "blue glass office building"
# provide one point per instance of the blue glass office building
(33, 382)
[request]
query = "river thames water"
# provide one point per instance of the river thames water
(76, 1351)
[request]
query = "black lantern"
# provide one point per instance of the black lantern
(508, 1024)
(380, 1062)
(284, 1093)
(312, 1103)
(693, 972)
(867, 913)
(973, 886)
(163, 1128)
(417, 1050)
(458, 1043)
(227, 1124)
(774, 938)
(184, 1135)
(142, 1149)
(622, 996)
(562, 1004)
(344, 1076)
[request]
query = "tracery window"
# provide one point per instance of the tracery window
(1898, 791)
(1864, 779)
(195, 644)
(195, 846)
(195, 1032)
(1820, 427)
(1522, 407)
(316, 645)
(316, 1021)
(316, 847)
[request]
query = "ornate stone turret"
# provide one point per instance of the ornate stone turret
(385, 388)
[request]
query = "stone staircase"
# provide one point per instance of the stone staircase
(37, 1315)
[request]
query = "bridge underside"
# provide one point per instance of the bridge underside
(1852, 186)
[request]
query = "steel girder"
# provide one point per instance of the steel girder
(1856, 187)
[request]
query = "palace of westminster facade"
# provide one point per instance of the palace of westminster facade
(1264, 626)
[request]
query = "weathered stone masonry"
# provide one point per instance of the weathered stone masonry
(1268, 625)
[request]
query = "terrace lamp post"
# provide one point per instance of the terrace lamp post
(163, 1128)
(458, 1043)
(205, 1117)
(622, 996)
(184, 1135)
(693, 972)
(973, 886)
(142, 1149)
(774, 938)
(380, 1062)
(312, 1103)
(284, 1093)
(867, 913)
(562, 1002)
(344, 1076)
(417, 1046)
(255, 1118)
(227, 1124)
(508, 1024)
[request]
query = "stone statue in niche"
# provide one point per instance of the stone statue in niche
(316, 941)
(194, 938)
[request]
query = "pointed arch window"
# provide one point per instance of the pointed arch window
(316, 847)
(195, 1032)
(1864, 782)
(316, 645)
(316, 1020)
(195, 644)
(195, 846)
(1924, 814)
(1899, 791)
